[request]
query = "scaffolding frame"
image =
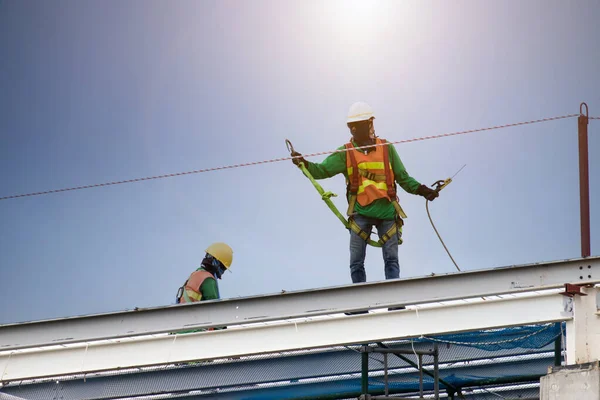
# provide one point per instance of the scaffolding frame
(365, 350)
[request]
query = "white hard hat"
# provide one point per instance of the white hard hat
(359, 111)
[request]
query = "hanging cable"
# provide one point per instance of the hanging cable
(438, 235)
(439, 186)
(248, 164)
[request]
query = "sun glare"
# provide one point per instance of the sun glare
(356, 10)
(356, 19)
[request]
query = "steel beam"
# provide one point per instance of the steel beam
(260, 371)
(318, 333)
(406, 384)
(275, 394)
(230, 312)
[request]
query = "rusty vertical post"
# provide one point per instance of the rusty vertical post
(584, 180)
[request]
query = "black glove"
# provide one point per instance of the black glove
(428, 193)
(298, 160)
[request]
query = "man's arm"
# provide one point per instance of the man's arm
(334, 164)
(406, 182)
(209, 289)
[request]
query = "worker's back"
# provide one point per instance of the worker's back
(201, 285)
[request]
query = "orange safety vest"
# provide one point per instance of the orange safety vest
(371, 177)
(191, 289)
(368, 177)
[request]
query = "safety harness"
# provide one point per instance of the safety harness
(352, 190)
(354, 185)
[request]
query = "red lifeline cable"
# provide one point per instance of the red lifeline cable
(248, 164)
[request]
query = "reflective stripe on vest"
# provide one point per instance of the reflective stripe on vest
(370, 165)
(191, 289)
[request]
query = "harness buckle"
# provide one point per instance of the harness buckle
(179, 294)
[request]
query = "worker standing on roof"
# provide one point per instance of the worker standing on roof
(202, 283)
(372, 168)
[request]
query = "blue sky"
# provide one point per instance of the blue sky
(95, 91)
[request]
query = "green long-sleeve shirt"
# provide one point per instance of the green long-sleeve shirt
(382, 209)
(209, 288)
(210, 291)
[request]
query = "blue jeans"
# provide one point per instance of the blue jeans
(358, 249)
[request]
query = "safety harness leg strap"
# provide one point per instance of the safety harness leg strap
(389, 234)
(356, 229)
(395, 229)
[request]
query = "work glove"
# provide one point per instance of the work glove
(428, 193)
(298, 160)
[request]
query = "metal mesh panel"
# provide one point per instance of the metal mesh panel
(475, 362)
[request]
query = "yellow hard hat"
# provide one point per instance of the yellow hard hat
(221, 252)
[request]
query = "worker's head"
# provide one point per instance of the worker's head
(360, 121)
(218, 259)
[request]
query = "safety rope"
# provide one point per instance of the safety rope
(326, 197)
(248, 164)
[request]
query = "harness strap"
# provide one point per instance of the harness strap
(371, 176)
(399, 209)
(351, 205)
(395, 229)
(388, 235)
(356, 229)
(389, 175)
(354, 180)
